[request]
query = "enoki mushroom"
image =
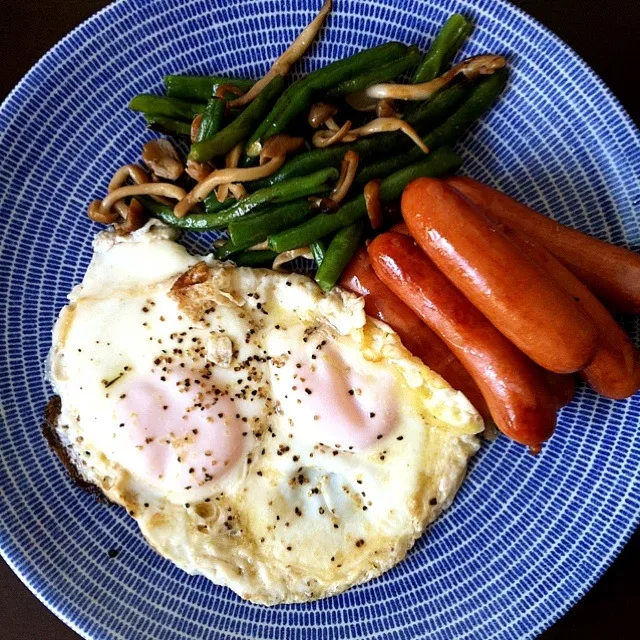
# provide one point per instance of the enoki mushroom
(231, 161)
(379, 125)
(471, 68)
(273, 156)
(347, 174)
(282, 65)
(224, 176)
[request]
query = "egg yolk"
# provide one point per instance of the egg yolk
(337, 405)
(177, 430)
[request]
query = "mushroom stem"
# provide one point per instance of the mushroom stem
(328, 137)
(237, 190)
(149, 189)
(379, 125)
(224, 89)
(471, 68)
(230, 162)
(94, 212)
(331, 124)
(233, 157)
(127, 172)
(386, 108)
(136, 218)
(347, 174)
(282, 65)
(280, 145)
(224, 176)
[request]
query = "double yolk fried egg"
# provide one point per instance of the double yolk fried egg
(261, 432)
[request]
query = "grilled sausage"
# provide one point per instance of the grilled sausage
(562, 386)
(515, 388)
(381, 303)
(611, 272)
(614, 371)
(512, 291)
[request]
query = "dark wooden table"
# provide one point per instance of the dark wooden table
(605, 34)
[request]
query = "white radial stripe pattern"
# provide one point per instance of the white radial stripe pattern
(525, 538)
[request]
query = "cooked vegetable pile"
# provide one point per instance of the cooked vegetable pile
(308, 169)
(504, 303)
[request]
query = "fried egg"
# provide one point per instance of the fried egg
(261, 432)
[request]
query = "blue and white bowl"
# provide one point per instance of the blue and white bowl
(526, 536)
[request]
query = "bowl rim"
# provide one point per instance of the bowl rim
(11, 553)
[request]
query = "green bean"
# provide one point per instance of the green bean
(293, 189)
(163, 106)
(262, 258)
(256, 226)
(228, 249)
(190, 222)
(303, 163)
(251, 230)
(212, 204)
(481, 98)
(318, 250)
(441, 162)
(299, 95)
(252, 149)
(429, 115)
(284, 192)
(240, 128)
(340, 251)
(201, 88)
(167, 125)
(211, 121)
(443, 48)
(383, 73)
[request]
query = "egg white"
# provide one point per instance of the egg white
(294, 515)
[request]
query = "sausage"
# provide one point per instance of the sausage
(512, 291)
(515, 389)
(614, 371)
(400, 227)
(381, 303)
(611, 272)
(562, 386)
